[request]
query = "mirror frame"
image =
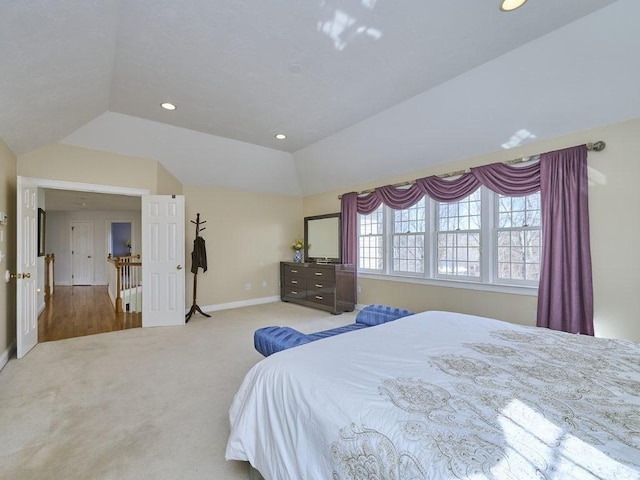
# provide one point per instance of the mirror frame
(307, 258)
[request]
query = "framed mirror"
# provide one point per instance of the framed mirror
(323, 238)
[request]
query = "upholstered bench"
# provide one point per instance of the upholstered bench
(270, 340)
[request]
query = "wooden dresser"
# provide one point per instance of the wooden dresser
(330, 287)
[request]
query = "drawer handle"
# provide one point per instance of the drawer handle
(319, 297)
(293, 292)
(295, 282)
(319, 285)
(294, 271)
(318, 274)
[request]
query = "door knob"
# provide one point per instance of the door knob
(179, 267)
(88, 256)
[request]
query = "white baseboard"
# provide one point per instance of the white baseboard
(6, 355)
(242, 303)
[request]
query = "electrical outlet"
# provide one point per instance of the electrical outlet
(359, 288)
(264, 284)
(247, 286)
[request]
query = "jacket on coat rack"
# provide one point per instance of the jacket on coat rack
(199, 255)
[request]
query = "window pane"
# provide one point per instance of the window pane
(458, 237)
(410, 220)
(371, 241)
(518, 238)
(408, 239)
(408, 253)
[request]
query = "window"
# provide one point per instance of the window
(518, 238)
(408, 239)
(371, 240)
(485, 238)
(458, 237)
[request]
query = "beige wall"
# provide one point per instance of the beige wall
(247, 235)
(7, 246)
(83, 165)
(615, 229)
(167, 184)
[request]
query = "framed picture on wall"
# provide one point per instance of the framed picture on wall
(42, 226)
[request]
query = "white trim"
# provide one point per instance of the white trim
(86, 187)
(487, 287)
(242, 303)
(6, 355)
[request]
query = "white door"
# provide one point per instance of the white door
(26, 269)
(81, 253)
(162, 260)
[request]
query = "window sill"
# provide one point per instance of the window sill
(488, 287)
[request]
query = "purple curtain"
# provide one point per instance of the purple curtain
(444, 190)
(349, 219)
(508, 180)
(565, 294)
(565, 298)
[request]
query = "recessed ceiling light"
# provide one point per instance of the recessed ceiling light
(510, 5)
(168, 106)
(280, 136)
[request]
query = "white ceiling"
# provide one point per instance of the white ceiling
(364, 89)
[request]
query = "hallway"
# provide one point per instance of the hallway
(82, 310)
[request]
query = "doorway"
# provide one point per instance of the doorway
(29, 316)
(120, 239)
(82, 266)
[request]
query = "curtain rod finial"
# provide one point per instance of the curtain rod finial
(596, 146)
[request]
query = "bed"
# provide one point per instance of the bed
(439, 395)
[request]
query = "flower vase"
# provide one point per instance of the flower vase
(297, 256)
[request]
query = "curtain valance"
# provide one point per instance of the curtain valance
(501, 178)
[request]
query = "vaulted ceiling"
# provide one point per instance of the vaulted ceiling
(363, 89)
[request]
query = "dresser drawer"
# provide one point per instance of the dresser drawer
(293, 271)
(321, 285)
(294, 293)
(294, 281)
(327, 276)
(322, 298)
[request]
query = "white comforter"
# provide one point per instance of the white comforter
(443, 396)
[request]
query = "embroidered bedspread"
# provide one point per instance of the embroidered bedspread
(440, 395)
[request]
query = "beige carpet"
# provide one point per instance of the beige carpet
(137, 404)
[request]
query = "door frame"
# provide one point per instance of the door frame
(80, 187)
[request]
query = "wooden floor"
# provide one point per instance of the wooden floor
(82, 310)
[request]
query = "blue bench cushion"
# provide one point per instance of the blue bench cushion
(377, 314)
(336, 331)
(270, 340)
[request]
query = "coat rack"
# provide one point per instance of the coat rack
(198, 260)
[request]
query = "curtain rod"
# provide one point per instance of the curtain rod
(595, 146)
